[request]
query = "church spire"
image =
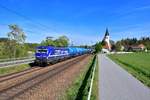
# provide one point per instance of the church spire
(107, 32)
(106, 41)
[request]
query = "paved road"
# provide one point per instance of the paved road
(117, 84)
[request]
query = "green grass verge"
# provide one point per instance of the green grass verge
(80, 85)
(13, 69)
(138, 64)
(95, 89)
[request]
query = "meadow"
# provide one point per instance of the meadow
(137, 64)
(13, 69)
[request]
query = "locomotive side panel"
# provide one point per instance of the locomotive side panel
(48, 54)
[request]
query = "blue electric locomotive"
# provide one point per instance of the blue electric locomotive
(48, 54)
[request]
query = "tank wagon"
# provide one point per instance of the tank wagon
(47, 54)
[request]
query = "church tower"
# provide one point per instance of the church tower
(106, 41)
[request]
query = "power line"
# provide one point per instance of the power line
(26, 30)
(26, 18)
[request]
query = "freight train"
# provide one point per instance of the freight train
(47, 54)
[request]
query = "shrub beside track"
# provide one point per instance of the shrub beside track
(80, 88)
(95, 89)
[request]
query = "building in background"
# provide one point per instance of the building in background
(106, 45)
(134, 48)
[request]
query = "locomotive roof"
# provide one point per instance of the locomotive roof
(45, 47)
(50, 47)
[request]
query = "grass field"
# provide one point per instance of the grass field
(13, 69)
(94, 95)
(138, 64)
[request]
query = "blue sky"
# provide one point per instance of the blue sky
(83, 21)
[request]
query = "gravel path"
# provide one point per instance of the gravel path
(117, 84)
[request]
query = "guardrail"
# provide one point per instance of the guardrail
(12, 59)
(91, 84)
(16, 62)
(86, 82)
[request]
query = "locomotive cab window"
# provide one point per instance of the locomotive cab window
(42, 50)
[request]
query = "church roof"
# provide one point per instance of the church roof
(106, 33)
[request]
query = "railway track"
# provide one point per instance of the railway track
(20, 87)
(17, 74)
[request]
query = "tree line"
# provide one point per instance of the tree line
(132, 42)
(62, 41)
(116, 46)
(14, 46)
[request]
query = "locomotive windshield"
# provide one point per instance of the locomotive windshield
(42, 50)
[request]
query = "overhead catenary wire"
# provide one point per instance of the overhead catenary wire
(25, 29)
(35, 23)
